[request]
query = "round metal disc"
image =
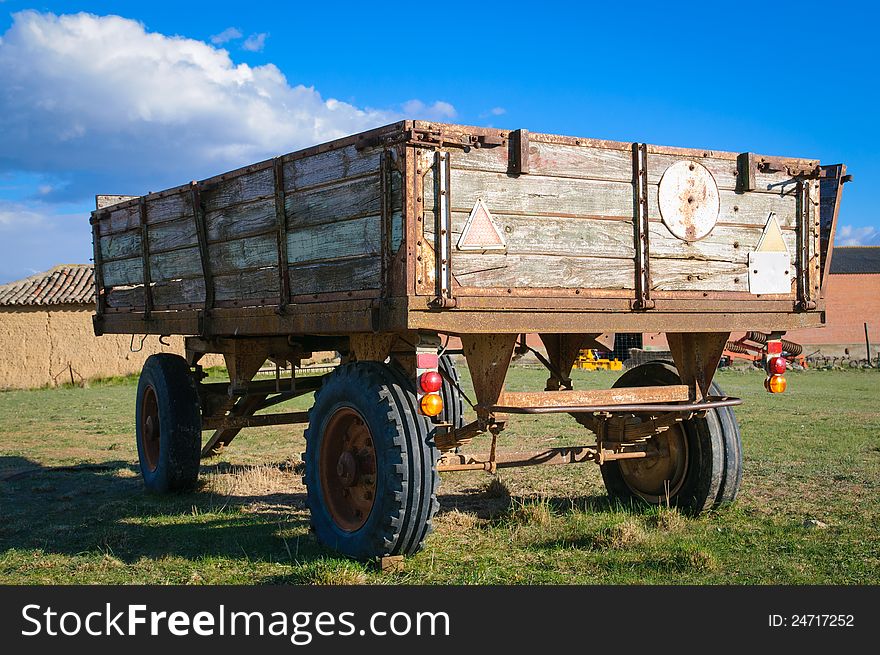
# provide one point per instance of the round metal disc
(689, 202)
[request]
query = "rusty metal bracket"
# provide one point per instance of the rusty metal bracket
(145, 254)
(281, 219)
(518, 158)
(640, 223)
(204, 255)
(100, 295)
(746, 172)
(804, 295)
(443, 219)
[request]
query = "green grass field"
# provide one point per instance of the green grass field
(808, 511)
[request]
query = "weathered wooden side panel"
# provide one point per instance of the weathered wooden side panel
(569, 222)
(333, 213)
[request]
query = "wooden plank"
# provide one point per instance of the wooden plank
(724, 243)
(683, 275)
(743, 208)
(538, 195)
(352, 238)
(165, 294)
(171, 235)
(330, 166)
(119, 220)
(170, 207)
(542, 271)
(241, 220)
(241, 188)
(341, 275)
(724, 172)
(554, 159)
(337, 202)
(247, 285)
(176, 264)
(248, 253)
(540, 235)
(622, 396)
(123, 272)
(120, 245)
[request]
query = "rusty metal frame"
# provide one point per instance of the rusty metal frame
(204, 255)
(281, 219)
(100, 295)
(641, 228)
(709, 402)
(145, 254)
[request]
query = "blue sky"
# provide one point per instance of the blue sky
(170, 92)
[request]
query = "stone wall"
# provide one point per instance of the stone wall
(40, 346)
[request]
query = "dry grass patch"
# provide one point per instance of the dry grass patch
(667, 519)
(455, 521)
(252, 481)
(628, 534)
(533, 512)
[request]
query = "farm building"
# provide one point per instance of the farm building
(46, 335)
(852, 300)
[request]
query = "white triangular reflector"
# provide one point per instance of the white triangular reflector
(771, 240)
(480, 232)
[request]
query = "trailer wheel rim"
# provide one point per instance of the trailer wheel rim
(659, 478)
(347, 469)
(150, 430)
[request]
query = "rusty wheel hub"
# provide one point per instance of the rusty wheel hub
(347, 463)
(150, 431)
(659, 477)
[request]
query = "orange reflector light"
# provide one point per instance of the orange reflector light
(431, 381)
(432, 404)
(776, 384)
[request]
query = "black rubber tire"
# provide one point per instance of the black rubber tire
(713, 476)
(406, 462)
(180, 424)
(453, 401)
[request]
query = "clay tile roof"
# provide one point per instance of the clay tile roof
(855, 260)
(69, 284)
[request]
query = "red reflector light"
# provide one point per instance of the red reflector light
(431, 381)
(777, 366)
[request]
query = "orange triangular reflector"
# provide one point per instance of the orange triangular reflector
(480, 232)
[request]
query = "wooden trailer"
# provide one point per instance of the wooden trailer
(384, 244)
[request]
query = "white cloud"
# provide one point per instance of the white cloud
(437, 111)
(102, 100)
(229, 34)
(35, 237)
(255, 42)
(848, 235)
(498, 111)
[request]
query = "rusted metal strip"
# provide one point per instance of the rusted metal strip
(518, 157)
(621, 396)
(385, 219)
(562, 455)
(204, 255)
(239, 422)
(711, 402)
(281, 218)
(804, 291)
(145, 253)
(444, 238)
(640, 224)
(100, 294)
